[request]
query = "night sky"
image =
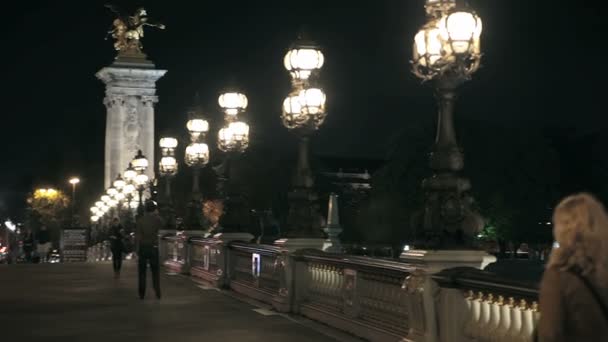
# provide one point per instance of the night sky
(540, 68)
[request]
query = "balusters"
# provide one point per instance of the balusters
(528, 323)
(505, 321)
(497, 319)
(471, 326)
(516, 322)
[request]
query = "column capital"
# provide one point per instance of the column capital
(112, 100)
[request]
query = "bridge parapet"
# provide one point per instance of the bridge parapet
(373, 298)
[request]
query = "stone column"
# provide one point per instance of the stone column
(130, 98)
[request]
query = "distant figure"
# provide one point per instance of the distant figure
(146, 240)
(574, 289)
(28, 245)
(44, 243)
(116, 245)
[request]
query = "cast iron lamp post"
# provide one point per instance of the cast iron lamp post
(303, 113)
(168, 168)
(140, 165)
(196, 157)
(233, 139)
(446, 53)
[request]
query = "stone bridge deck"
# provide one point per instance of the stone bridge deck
(82, 302)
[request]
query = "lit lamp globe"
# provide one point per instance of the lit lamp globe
(197, 154)
(312, 101)
(239, 131)
(119, 197)
(105, 199)
(94, 210)
(112, 203)
(232, 103)
(140, 162)
(303, 59)
(197, 127)
(134, 204)
(168, 143)
(129, 189)
(111, 192)
(99, 204)
(130, 174)
(119, 183)
(94, 218)
(167, 166)
(427, 47)
(461, 32)
(292, 112)
(141, 179)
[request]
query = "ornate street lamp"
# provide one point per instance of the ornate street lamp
(167, 166)
(196, 157)
(129, 174)
(233, 139)
(446, 53)
(139, 165)
(303, 113)
(140, 162)
(119, 183)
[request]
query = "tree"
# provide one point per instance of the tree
(48, 207)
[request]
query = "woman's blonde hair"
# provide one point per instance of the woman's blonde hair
(580, 226)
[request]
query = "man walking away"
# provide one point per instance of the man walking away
(146, 239)
(44, 244)
(116, 245)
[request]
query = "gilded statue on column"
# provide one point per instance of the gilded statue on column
(128, 31)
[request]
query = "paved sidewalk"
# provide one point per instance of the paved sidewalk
(82, 302)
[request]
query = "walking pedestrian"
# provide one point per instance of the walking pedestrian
(574, 289)
(146, 240)
(44, 243)
(116, 245)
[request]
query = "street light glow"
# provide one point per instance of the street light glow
(74, 180)
(10, 225)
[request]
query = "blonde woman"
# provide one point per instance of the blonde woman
(574, 289)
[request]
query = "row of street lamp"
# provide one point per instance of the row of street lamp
(446, 52)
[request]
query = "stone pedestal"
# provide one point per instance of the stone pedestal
(433, 261)
(294, 244)
(333, 230)
(130, 97)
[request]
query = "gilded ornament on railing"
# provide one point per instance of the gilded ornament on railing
(415, 282)
(128, 31)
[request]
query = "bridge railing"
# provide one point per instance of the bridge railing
(361, 295)
(376, 299)
(489, 308)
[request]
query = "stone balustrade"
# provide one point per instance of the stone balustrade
(177, 251)
(361, 295)
(99, 252)
(376, 299)
(495, 309)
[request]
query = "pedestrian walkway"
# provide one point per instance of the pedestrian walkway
(82, 302)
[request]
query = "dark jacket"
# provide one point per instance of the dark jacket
(568, 309)
(146, 231)
(43, 236)
(116, 237)
(28, 242)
